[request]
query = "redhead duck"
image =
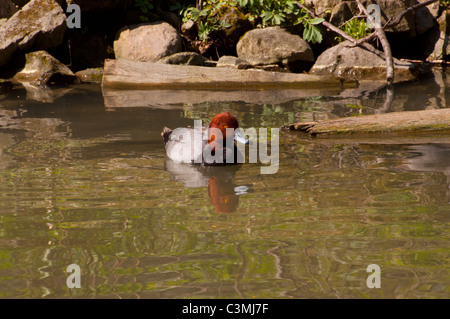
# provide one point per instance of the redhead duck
(188, 145)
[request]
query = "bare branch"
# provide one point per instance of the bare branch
(385, 44)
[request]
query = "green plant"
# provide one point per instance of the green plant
(286, 12)
(312, 32)
(357, 28)
(444, 3)
(206, 18)
(263, 13)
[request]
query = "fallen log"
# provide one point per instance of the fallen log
(437, 120)
(123, 74)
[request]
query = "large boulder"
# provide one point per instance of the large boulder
(147, 42)
(350, 62)
(41, 69)
(39, 25)
(273, 45)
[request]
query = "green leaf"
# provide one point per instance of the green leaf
(204, 12)
(316, 21)
(194, 13)
(225, 24)
(243, 3)
(278, 19)
(312, 34)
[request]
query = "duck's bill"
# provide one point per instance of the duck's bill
(239, 137)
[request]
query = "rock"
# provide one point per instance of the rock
(439, 41)
(44, 28)
(391, 9)
(41, 68)
(322, 5)
(7, 9)
(273, 45)
(147, 42)
(342, 12)
(425, 18)
(189, 29)
(228, 61)
(185, 58)
(3, 21)
(92, 75)
(356, 63)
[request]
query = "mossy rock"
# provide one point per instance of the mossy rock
(92, 75)
(229, 36)
(42, 68)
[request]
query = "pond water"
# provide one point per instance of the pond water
(84, 180)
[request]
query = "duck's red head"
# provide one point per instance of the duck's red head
(222, 121)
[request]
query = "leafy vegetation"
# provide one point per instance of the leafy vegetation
(357, 28)
(206, 18)
(262, 13)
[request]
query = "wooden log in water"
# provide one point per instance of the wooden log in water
(387, 123)
(140, 75)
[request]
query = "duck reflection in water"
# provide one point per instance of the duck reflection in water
(223, 192)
